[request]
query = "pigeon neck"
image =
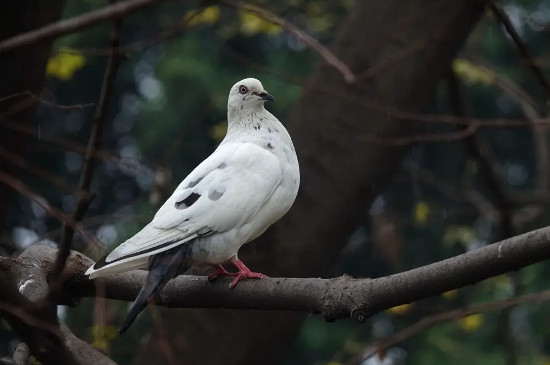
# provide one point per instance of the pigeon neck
(238, 117)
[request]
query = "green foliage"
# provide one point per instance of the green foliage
(169, 110)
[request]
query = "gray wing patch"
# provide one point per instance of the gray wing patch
(192, 184)
(215, 194)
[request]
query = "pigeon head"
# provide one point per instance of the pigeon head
(248, 93)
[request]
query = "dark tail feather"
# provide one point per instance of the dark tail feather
(148, 291)
(162, 267)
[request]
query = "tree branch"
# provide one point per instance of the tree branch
(503, 204)
(448, 316)
(21, 354)
(323, 51)
(520, 44)
(75, 24)
(22, 189)
(23, 292)
(100, 116)
(336, 298)
(33, 325)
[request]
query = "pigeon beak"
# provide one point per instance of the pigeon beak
(265, 96)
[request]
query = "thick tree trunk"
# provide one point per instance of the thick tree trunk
(341, 171)
(22, 70)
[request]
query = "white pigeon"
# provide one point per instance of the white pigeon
(248, 183)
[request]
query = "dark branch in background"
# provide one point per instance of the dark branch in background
(425, 137)
(22, 189)
(75, 24)
(323, 51)
(448, 316)
(94, 142)
(39, 171)
(38, 99)
(540, 138)
(474, 197)
(520, 44)
(474, 147)
(503, 204)
(77, 147)
(115, 11)
(137, 46)
(540, 133)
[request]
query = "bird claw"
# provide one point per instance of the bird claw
(220, 271)
(246, 275)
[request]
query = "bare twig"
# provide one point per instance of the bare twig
(474, 147)
(77, 147)
(323, 51)
(540, 138)
(22, 189)
(540, 132)
(93, 143)
(520, 44)
(425, 137)
(502, 202)
(405, 115)
(75, 24)
(448, 316)
(36, 98)
(395, 58)
(474, 197)
(137, 46)
(40, 171)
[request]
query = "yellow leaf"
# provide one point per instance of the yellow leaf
(421, 212)
(218, 131)
(400, 309)
(352, 346)
(252, 24)
(471, 323)
(102, 336)
(450, 295)
(100, 344)
(64, 65)
(458, 234)
(208, 15)
(471, 73)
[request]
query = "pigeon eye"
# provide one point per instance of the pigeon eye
(243, 89)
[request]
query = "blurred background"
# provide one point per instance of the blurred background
(440, 147)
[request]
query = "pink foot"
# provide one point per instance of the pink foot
(244, 273)
(220, 271)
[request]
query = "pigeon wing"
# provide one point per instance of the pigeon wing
(223, 192)
(226, 196)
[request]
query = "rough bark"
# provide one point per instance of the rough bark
(23, 290)
(22, 70)
(337, 298)
(341, 172)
